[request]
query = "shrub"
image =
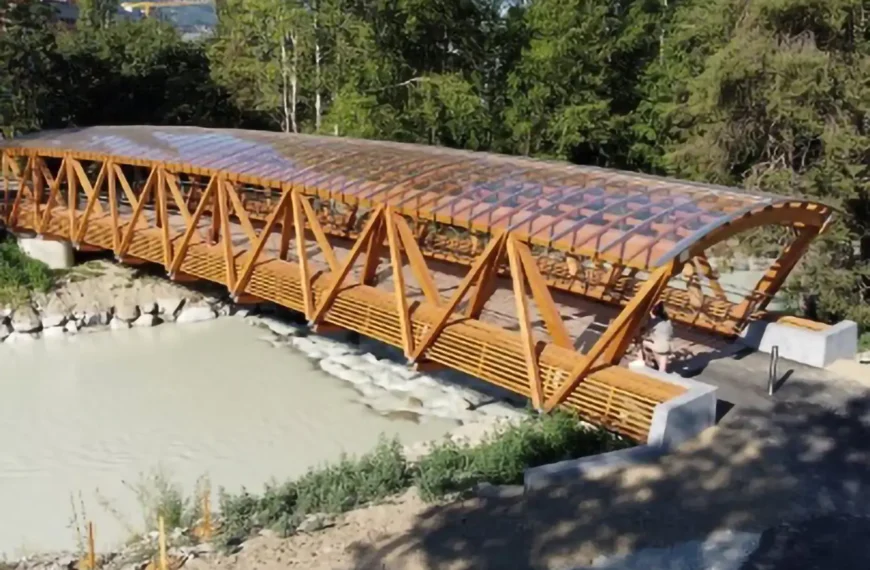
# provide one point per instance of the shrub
(331, 489)
(21, 275)
(503, 456)
(449, 468)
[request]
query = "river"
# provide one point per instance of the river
(85, 414)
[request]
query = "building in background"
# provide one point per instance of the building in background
(192, 18)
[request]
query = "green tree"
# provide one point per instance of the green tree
(31, 90)
(97, 13)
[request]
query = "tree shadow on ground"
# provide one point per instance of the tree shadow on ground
(804, 455)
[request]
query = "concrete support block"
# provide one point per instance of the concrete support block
(813, 348)
(674, 422)
(55, 254)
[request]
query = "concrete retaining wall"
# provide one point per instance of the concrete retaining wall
(810, 347)
(55, 254)
(674, 422)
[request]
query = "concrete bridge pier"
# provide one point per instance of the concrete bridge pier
(57, 254)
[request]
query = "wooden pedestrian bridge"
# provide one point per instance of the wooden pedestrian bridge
(471, 261)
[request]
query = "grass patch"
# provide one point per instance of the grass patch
(20, 276)
(449, 469)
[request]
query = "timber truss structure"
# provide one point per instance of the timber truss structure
(346, 232)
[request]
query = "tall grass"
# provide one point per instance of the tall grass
(20, 275)
(448, 469)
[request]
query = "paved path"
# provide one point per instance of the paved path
(801, 454)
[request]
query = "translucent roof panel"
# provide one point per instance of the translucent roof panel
(630, 218)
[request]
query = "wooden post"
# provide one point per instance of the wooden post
(161, 543)
(92, 552)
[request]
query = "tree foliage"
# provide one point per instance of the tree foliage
(769, 94)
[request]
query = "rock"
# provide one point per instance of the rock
(119, 324)
(169, 305)
(864, 357)
(315, 522)
(224, 309)
(71, 327)
(146, 320)
(240, 312)
(53, 332)
(149, 308)
(24, 320)
(94, 317)
(281, 328)
(5, 331)
(5, 312)
(20, 337)
(268, 534)
(126, 311)
(196, 313)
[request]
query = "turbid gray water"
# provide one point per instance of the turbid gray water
(86, 414)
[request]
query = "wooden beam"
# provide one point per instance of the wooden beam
(615, 331)
(192, 227)
(93, 197)
(226, 235)
(72, 197)
(417, 262)
(526, 337)
(113, 207)
(543, 299)
(302, 253)
(493, 247)
(319, 234)
(38, 188)
(125, 185)
(86, 183)
(260, 244)
(399, 283)
(164, 218)
(4, 172)
(703, 267)
(373, 255)
(22, 185)
(143, 199)
(54, 190)
(774, 278)
(240, 212)
(338, 279)
(172, 183)
(286, 231)
(487, 283)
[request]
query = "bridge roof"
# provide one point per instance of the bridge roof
(633, 219)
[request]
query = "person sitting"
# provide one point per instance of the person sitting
(660, 333)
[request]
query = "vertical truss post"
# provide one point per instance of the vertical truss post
(4, 172)
(38, 188)
(54, 183)
(373, 255)
(72, 189)
(622, 328)
(774, 278)
(493, 248)
(286, 229)
(163, 212)
(518, 276)
(113, 206)
(226, 237)
(214, 229)
(399, 282)
(301, 252)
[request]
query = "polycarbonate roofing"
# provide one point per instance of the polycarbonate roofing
(635, 219)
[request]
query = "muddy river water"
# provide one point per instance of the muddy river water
(86, 417)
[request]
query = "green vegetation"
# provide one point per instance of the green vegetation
(449, 469)
(21, 275)
(769, 94)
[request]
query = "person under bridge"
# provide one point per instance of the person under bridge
(657, 338)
